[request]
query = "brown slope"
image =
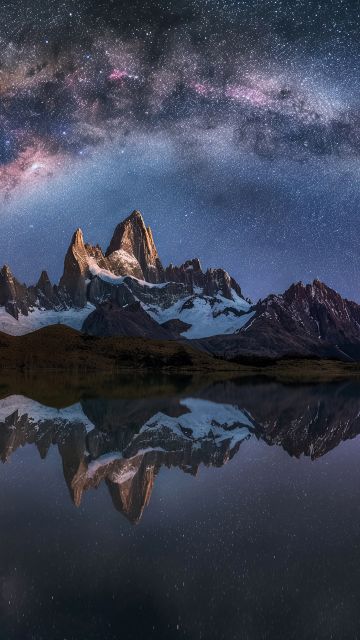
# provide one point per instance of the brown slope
(61, 348)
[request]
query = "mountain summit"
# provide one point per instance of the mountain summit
(133, 238)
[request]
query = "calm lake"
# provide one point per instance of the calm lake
(179, 508)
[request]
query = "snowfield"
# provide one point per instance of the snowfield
(205, 419)
(38, 318)
(38, 413)
(206, 317)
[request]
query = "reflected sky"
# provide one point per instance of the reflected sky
(266, 542)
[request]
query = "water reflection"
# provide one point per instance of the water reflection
(124, 441)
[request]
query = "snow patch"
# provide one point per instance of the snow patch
(125, 257)
(108, 276)
(103, 274)
(102, 461)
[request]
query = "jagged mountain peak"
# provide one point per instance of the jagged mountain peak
(136, 215)
(78, 238)
(72, 281)
(44, 279)
(315, 285)
(6, 271)
(311, 293)
(194, 264)
(133, 238)
(13, 295)
(45, 290)
(135, 222)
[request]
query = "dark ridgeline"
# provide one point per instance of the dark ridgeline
(307, 320)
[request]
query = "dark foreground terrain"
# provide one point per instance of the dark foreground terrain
(61, 349)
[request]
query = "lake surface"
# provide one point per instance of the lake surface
(180, 509)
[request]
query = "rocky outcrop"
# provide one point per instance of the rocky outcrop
(109, 319)
(176, 326)
(13, 295)
(211, 282)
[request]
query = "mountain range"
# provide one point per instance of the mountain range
(126, 291)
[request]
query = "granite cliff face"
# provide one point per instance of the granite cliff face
(133, 241)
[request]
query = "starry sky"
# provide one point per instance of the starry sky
(233, 125)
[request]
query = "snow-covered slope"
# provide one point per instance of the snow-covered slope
(39, 413)
(207, 315)
(38, 318)
(205, 419)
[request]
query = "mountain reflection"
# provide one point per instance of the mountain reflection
(124, 442)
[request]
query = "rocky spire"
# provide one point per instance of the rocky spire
(75, 270)
(44, 285)
(134, 238)
(13, 295)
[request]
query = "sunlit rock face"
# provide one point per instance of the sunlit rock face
(132, 240)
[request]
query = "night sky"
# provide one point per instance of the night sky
(234, 126)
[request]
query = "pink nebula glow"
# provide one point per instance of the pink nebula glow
(118, 75)
(243, 93)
